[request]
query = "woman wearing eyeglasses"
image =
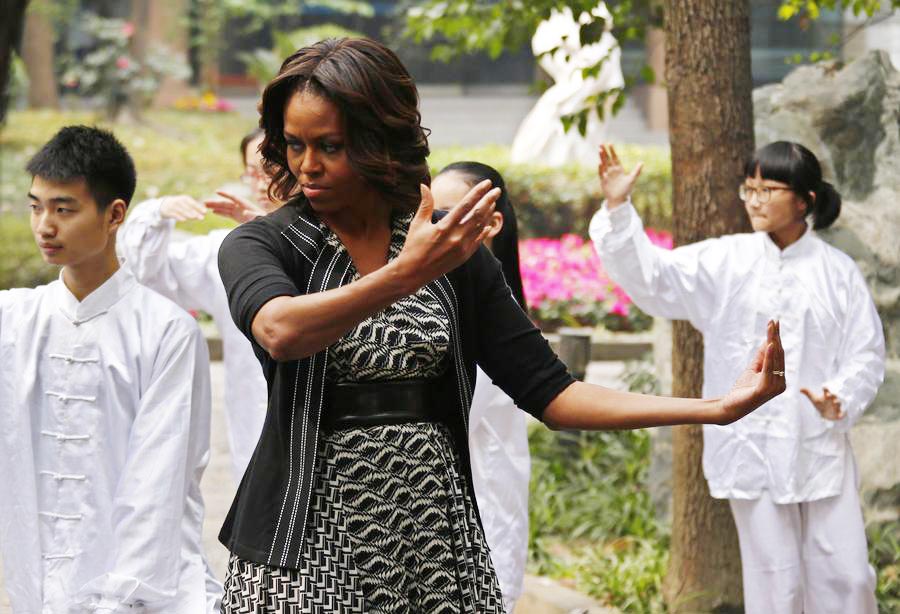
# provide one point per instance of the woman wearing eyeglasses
(787, 469)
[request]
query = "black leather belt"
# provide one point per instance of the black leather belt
(370, 404)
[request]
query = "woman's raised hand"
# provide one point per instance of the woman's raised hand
(762, 381)
(433, 249)
(614, 180)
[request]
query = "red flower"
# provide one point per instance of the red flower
(128, 28)
(123, 63)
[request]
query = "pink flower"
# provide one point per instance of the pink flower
(619, 308)
(123, 63)
(224, 105)
(660, 238)
(127, 28)
(564, 279)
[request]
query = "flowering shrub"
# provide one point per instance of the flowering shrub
(206, 102)
(565, 285)
(107, 68)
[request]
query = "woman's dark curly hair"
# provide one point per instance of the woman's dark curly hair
(378, 101)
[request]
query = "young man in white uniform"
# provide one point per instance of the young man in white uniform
(187, 272)
(104, 410)
(787, 469)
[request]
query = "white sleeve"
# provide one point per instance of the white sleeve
(861, 356)
(676, 284)
(149, 504)
(143, 244)
(179, 270)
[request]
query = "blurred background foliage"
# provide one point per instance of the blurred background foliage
(181, 152)
(592, 524)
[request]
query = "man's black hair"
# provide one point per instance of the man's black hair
(92, 154)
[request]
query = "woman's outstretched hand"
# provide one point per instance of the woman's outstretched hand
(433, 249)
(232, 206)
(614, 180)
(181, 208)
(762, 381)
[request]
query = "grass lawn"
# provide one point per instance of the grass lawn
(175, 152)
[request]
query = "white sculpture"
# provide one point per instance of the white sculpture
(541, 138)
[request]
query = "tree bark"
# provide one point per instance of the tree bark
(711, 135)
(12, 16)
(37, 53)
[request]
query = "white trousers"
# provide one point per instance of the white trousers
(806, 558)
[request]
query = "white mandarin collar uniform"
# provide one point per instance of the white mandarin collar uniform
(501, 468)
(728, 288)
(187, 272)
(104, 424)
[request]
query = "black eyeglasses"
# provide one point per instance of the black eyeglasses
(763, 194)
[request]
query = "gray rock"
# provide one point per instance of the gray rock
(849, 116)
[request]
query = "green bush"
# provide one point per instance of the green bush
(884, 553)
(263, 64)
(550, 202)
(591, 520)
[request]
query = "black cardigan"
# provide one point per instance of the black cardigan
(284, 254)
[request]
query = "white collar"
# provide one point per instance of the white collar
(97, 302)
(795, 250)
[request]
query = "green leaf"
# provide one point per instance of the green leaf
(591, 32)
(619, 101)
(349, 7)
(582, 122)
(786, 12)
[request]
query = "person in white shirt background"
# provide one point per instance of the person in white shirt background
(104, 410)
(498, 435)
(186, 271)
(787, 470)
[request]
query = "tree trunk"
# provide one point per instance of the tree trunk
(711, 135)
(37, 53)
(165, 24)
(12, 15)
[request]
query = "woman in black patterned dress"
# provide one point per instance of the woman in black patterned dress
(368, 313)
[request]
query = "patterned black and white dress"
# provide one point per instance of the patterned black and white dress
(392, 526)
